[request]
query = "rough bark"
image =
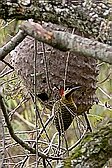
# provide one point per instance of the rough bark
(86, 18)
(68, 42)
(94, 151)
(61, 40)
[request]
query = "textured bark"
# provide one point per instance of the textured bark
(88, 18)
(94, 151)
(65, 41)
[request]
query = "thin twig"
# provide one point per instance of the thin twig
(46, 68)
(17, 156)
(104, 93)
(104, 80)
(24, 100)
(49, 163)
(7, 24)
(109, 107)
(29, 124)
(9, 81)
(45, 125)
(3, 142)
(6, 73)
(42, 130)
(77, 143)
(8, 64)
(35, 101)
(75, 133)
(88, 122)
(40, 120)
(24, 161)
(66, 66)
(17, 139)
(66, 143)
(44, 163)
(9, 126)
(50, 145)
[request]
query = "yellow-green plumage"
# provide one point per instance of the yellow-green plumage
(64, 110)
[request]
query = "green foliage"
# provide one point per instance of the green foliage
(101, 112)
(7, 30)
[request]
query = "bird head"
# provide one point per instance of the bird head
(68, 93)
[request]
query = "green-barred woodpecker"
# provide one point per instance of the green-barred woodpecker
(65, 109)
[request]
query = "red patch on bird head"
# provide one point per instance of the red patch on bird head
(61, 91)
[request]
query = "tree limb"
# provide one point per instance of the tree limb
(65, 41)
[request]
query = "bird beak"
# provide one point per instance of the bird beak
(72, 90)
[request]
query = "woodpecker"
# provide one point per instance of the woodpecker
(65, 109)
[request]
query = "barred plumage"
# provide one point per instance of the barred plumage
(65, 110)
